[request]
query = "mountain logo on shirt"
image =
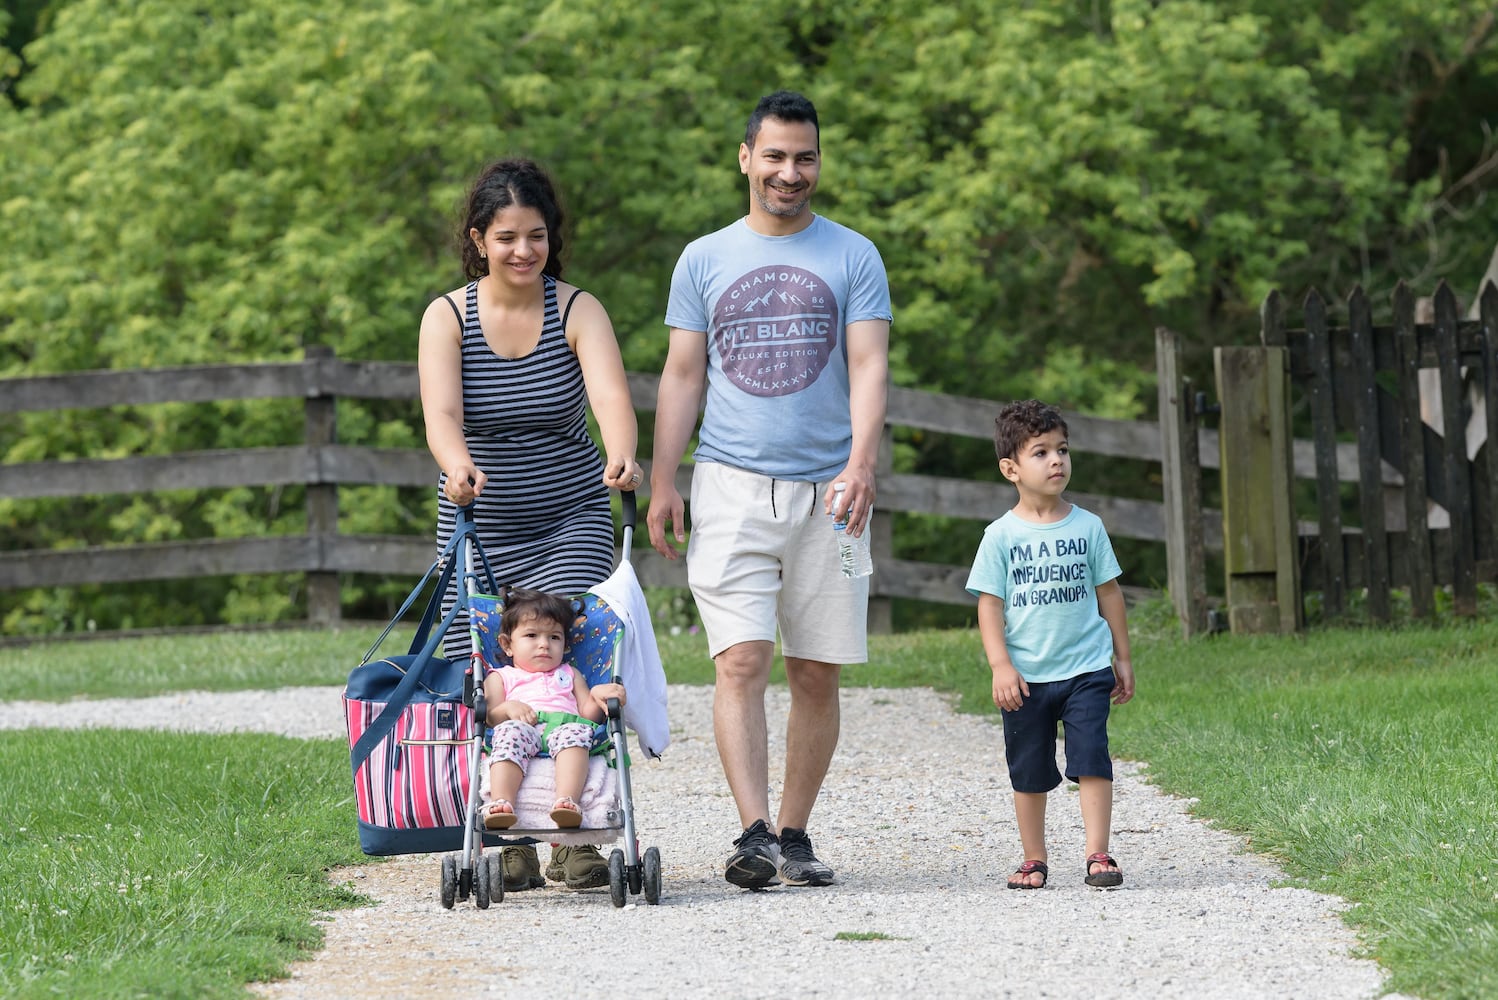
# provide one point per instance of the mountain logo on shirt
(774, 330)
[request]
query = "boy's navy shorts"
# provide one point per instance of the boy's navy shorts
(1081, 705)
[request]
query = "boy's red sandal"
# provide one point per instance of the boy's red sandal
(1030, 868)
(1103, 879)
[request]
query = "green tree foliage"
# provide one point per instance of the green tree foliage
(1048, 183)
(19, 23)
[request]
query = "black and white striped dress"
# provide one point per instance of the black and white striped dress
(544, 518)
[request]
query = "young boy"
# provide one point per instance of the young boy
(1051, 614)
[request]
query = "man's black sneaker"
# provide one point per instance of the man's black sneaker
(798, 865)
(755, 860)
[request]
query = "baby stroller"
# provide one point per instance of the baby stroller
(611, 640)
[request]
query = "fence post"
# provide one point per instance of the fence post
(1259, 535)
(323, 604)
(1180, 462)
(1487, 489)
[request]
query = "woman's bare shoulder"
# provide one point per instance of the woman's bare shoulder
(448, 302)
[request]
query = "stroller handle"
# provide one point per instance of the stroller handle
(626, 498)
(629, 508)
(628, 505)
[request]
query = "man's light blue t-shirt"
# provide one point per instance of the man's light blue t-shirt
(1047, 575)
(774, 310)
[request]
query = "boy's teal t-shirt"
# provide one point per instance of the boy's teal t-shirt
(1047, 576)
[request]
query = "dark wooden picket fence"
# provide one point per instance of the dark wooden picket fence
(1401, 419)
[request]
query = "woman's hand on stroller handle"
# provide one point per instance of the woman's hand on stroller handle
(464, 482)
(623, 474)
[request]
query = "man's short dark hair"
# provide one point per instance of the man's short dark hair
(1020, 421)
(783, 105)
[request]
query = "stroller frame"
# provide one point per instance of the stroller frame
(474, 872)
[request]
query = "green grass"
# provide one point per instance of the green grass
(1366, 761)
(864, 936)
(222, 661)
(1362, 759)
(232, 661)
(166, 865)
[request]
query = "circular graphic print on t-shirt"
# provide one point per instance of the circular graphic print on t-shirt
(774, 330)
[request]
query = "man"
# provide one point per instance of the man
(784, 317)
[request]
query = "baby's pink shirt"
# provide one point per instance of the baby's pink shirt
(546, 692)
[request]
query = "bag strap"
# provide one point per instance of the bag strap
(429, 613)
(426, 640)
(481, 562)
(405, 606)
(461, 529)
(400, 697)
(489, 577)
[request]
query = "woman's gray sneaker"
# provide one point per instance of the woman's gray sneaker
(798, 865)
(755, 861)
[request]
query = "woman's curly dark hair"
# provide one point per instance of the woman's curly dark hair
(502, 184)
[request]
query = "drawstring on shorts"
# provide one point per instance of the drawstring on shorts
(811, 509)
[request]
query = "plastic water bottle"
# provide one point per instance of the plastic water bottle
(853, 553)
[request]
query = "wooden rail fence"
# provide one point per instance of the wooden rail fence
(1355, 387)
(322, 464)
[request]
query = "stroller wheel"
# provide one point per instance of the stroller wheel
(449, 880)
(616, 877)
(481, 882)
(652, 876)
(496, 878)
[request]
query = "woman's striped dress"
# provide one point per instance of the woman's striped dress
(544, 518)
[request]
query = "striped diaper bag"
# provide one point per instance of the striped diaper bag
(410, 778)
(411, 730)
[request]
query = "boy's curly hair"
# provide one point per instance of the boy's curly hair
(1022, 420)
(523, 605)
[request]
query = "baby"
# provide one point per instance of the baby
(540, 701)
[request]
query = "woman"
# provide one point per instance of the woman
(509, 364)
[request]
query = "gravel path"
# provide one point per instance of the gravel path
(921, 842)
